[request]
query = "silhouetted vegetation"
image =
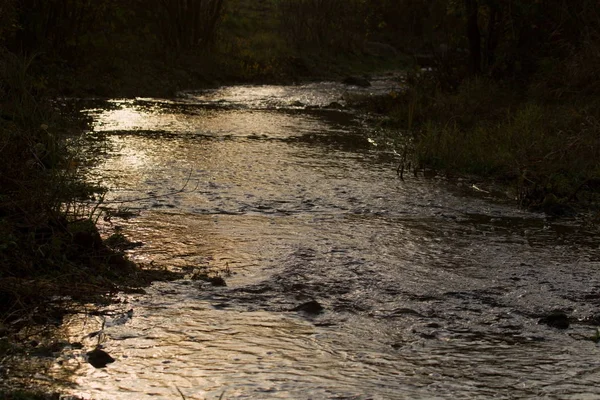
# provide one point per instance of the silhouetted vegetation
(332, 24)
(186, 24)
(51, 252)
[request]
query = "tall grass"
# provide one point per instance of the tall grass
(37, 175)
(337, 24)
(547, 148)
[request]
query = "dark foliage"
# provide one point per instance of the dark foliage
(324, 24)
(185, 24)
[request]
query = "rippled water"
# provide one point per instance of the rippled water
(430, 289)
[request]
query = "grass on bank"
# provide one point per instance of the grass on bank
(51, 252)
(546, 148)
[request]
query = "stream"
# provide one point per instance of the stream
(429, 288)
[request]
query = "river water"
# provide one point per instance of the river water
(429, 288)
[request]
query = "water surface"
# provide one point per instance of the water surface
(430, 289)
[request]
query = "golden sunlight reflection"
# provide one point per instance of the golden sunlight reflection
(319, 94)
(175, 342)
(133, 159)
(185, 119)
(215, 244)
(132, 117)
(124, 118)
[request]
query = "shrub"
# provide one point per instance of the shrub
(323, 24)
(47, 213)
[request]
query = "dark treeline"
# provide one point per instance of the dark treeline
(504, 39)
(100, 46)
(67, 27)
(329, 24)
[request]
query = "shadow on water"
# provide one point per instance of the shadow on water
(342, 282)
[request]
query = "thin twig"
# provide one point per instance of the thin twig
(182, 190)
(180, 393)
(400, 170)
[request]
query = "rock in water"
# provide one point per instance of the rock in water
(217, 281)
(556, 319)
(334, 105)
(99, 358)
(310, 307)
(356, 81)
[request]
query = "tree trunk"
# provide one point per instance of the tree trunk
(474, 36)
(491, 41)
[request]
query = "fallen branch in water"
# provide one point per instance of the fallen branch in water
(158, 196)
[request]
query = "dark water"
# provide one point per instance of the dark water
(430, 289)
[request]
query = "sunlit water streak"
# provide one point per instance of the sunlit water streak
(429, 289)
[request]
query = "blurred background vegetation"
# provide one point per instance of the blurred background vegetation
(551, 41)
(110, 47)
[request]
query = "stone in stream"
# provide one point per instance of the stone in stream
(310, 307)
(216, 281)
(356, 81)
(99, 358)
(334, 105)
(556, 319)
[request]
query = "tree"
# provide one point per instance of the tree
(185, 24)
(473, 36)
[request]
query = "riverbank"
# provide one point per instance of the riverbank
(542, 148)
(52, 257)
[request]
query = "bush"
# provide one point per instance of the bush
(323, 24)
(188, 24)
(49, 243)
(37, 178)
